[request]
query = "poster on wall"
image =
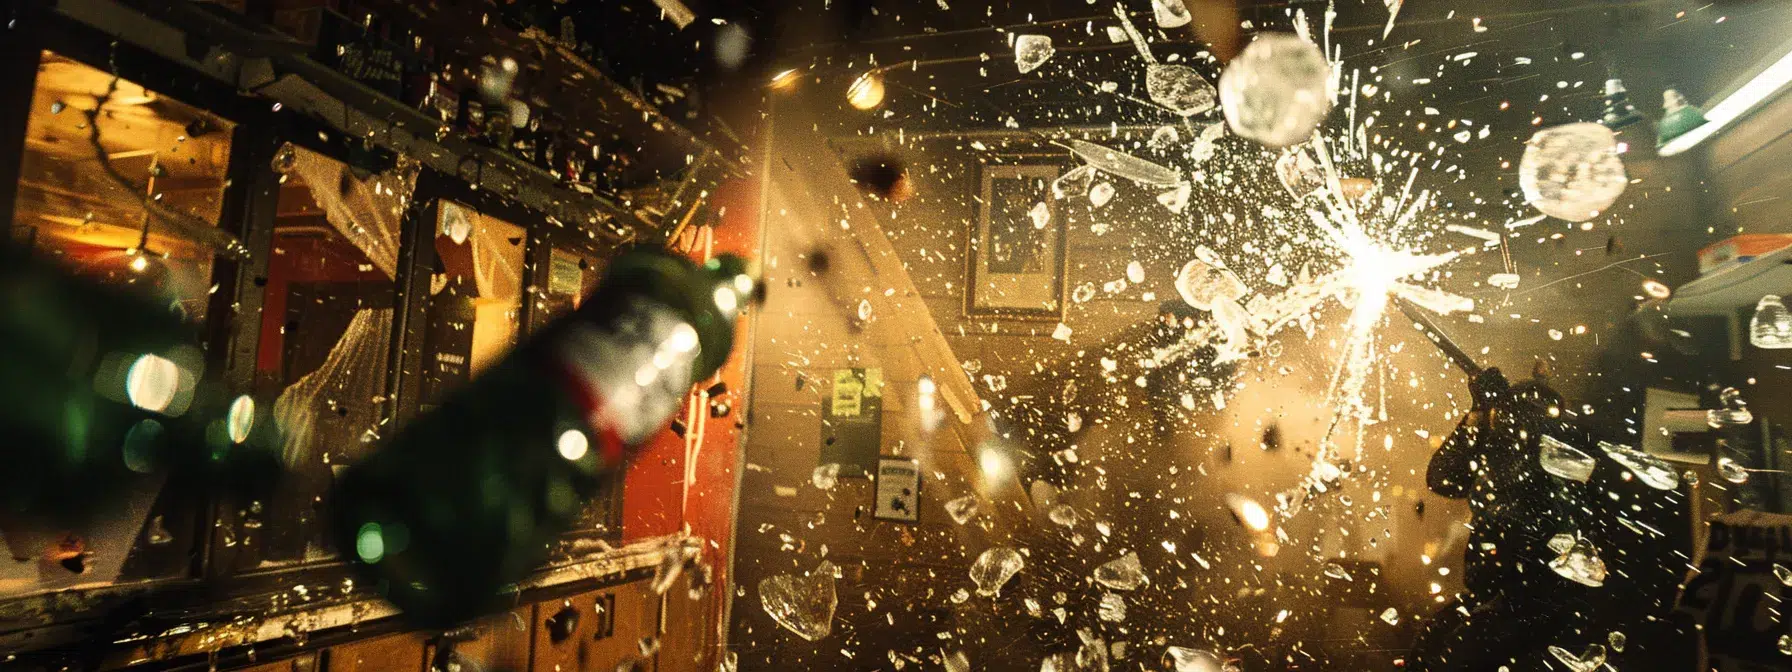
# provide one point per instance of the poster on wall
(898, 490)
(1017, 260)
(1732, 594)
(852, 421)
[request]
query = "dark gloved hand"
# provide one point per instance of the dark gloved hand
(1487, 388)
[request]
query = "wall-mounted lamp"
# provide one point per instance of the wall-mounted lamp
(1758, 90)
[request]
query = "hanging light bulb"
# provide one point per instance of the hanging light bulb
(1619, 113)
(1771, 327)
(866, 92)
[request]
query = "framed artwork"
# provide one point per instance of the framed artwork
(1017, 262)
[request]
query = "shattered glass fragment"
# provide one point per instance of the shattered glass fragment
(1092, 656)
(1276, 91)
(962, 509)
(1041, 214)
(1178, 88)
(1073, 181)
(1785, 644)
(1651, 470)
(1589, 660)
(1058, 662)
(1123, 573)
(1390, 616)
(1083, 292)
(1783, 573)
(1580, 564)
(1503, 280)
(1276, 275)
(1564, 461)
(1112, 608)
(1170, 13)
(1032, 51)
(1061, 333)
(1100, 194)
(994, 568)
(1718, 418)
(1336, 571)
(1207, 143)
(1572, 172)
(1062, 514)
(1434, 300)
(1203, 285)
(1299, 173)
(1125, 165)
(825, 476)
(1249, 513)
(1176, 200)
(805, 605)
(1183, 659)
(1560, 543)
(1730, 471)
(959, 596)
(1135, 272)
(1165, 136)
(1616, 640)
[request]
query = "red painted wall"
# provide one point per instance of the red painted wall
(654, 494)
(657, 500)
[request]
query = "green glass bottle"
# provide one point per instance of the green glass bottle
(466, 499)
(94, 383)
(103, 390)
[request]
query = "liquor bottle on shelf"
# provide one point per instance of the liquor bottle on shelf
(472, 115)
(464, 501)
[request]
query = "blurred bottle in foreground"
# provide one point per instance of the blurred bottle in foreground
(102, 390)
(465, 500)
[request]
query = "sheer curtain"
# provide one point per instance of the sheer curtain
(334, 407)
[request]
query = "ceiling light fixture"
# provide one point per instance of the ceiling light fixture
(866, 92)
(1763, 86)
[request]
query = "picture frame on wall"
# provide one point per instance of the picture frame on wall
(1017, 258)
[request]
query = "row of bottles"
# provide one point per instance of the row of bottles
(490, 99)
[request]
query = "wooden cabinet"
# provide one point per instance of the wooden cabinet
(397, 653)
(304, 663)
(497, 643)
(610, 625)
